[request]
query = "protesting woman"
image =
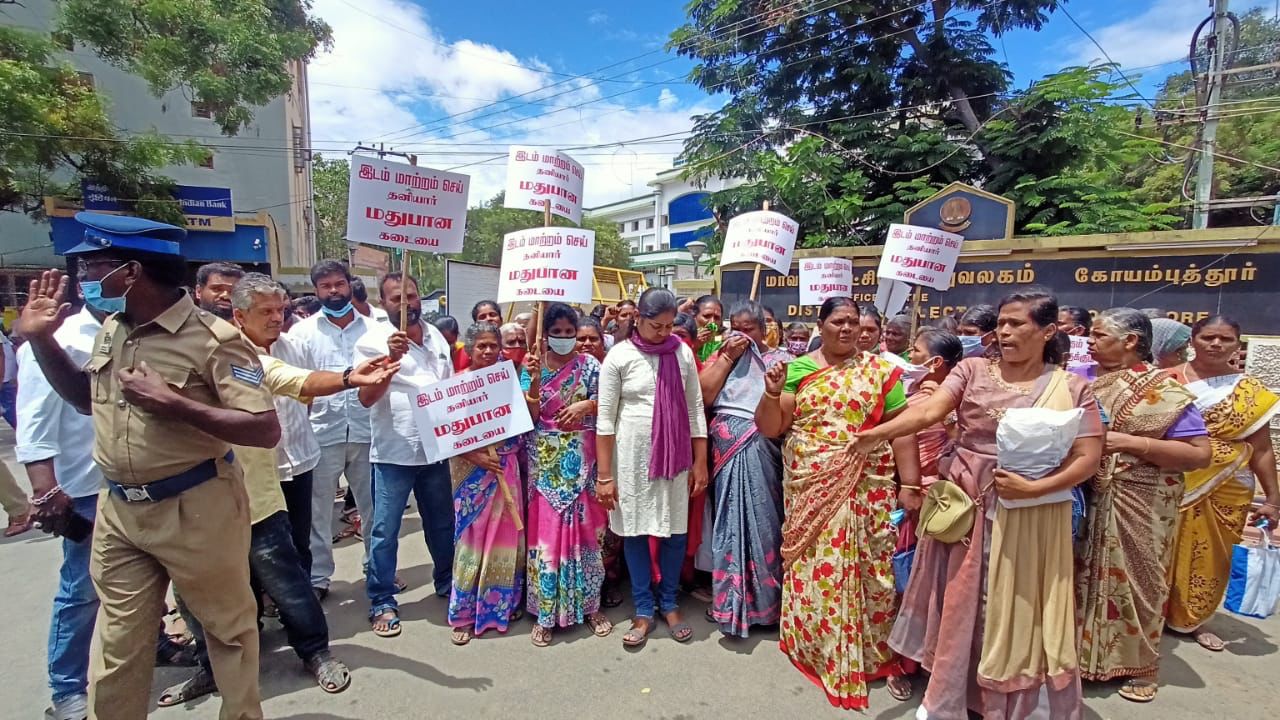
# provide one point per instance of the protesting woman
(1013, 606)
(1237, 410)
(708, 316)
(746, 534)
(1154, 434)
(591, 338)
(869, 330)
(566, 524)
(488, 556)
(1169, 341)
(651, 414)
(837, 542)
(978, 331)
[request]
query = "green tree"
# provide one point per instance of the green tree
(231, 54)
(845, 115)
(57, 133)
(330, 181)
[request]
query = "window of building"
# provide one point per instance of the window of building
(648, 223)
(299, 152)
(622, 227)
(63, 40)
(207, 162)
(635, 225)
(201, 109)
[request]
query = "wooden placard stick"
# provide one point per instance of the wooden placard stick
(755, 276)
(506, 494)
(915, 312)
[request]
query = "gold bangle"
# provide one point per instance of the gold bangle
(911, 487)
(1147, 449)
(772, 396)
(532, 399)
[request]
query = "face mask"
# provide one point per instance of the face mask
(336, 307)
(912, 375)
(412, 316)
(562, 346)
(92, 291)
(515, 355)
(797, 347)
(972, 345)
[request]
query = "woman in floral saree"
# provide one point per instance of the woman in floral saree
(566, 523)
(488, 556)
(838, 600)
(1154, 434)
(1237, 410)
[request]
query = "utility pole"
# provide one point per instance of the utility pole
(1209, 137)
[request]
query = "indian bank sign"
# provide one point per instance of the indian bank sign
(205, 208)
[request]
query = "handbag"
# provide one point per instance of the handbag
(946, 513)
(1254, 586)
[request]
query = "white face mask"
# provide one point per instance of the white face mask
(913, 374)
(562, 346)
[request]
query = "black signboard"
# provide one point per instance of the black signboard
(1187, 287)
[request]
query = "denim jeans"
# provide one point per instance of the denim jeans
(9, 403)
(75, 608)
(297, 499)
(276, 571)
(433, 490)
(670, 560)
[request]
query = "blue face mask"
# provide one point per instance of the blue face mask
(972, 345)
(337, 313)
(92, 290)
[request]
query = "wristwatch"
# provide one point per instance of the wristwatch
(346, 378)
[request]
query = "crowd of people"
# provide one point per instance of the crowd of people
(841, 482)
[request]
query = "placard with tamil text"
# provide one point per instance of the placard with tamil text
(471, 410)
(407, 207)
(551, 263)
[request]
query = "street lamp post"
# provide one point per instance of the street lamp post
(696, 248)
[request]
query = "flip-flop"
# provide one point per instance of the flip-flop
(610, 597)
(1209, 641)
(197, 686)
(681, 632)
(634, 638)
(461, 636)
(331, 674)
(1133, 689)
(541, 636)
(391, 618)
(600, 625)
(898, 692)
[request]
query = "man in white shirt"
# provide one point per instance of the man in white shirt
(360, 298)
(326, 341)
(53, 443)
(399, 463)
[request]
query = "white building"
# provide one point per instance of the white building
(268, 221)
(660, 225)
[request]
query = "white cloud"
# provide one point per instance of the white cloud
(597, 18)
(1158, 34)
(392, 77)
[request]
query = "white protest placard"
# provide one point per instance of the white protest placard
(822, 278)
(763, 237)
(920, 256)
(551, 263)
(403, 206)
(471, 410)
(535, 175)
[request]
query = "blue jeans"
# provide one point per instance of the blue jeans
(75, 608)
(9, 403)
(433, 490)
(274, 569)
(670, 560)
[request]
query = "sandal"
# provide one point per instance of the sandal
(1138, 690)
(680, 631)
(401, 585)
(331, 674)
(352, 530)
(638, 634)
(516, 615)
(389, 620)
(1209, 641)
(173, 654)
(541, 636)
(461, 636)
(600, 624)
(18, 525)
(899, 687)
(197, 686)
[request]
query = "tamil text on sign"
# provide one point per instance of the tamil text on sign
(547, 264)
(471, 410)
(822, 278)
(920, 256)
(404, 206)
(763, 237)
(536, 175)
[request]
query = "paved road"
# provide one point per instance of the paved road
(420, 674)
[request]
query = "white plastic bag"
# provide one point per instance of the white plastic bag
(1033, 442)
(1254, 587)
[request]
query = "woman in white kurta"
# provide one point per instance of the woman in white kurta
(651, 414)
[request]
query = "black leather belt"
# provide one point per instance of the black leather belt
(171, 486)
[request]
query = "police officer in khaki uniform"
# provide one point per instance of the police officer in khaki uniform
(171, 388)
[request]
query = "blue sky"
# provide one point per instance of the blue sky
(425, 76)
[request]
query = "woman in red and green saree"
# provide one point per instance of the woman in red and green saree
(838, 600)
(1154, 434)
(1237, 410)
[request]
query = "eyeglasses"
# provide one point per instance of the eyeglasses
(84, 265)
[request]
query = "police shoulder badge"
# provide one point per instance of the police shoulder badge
(249, 376)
